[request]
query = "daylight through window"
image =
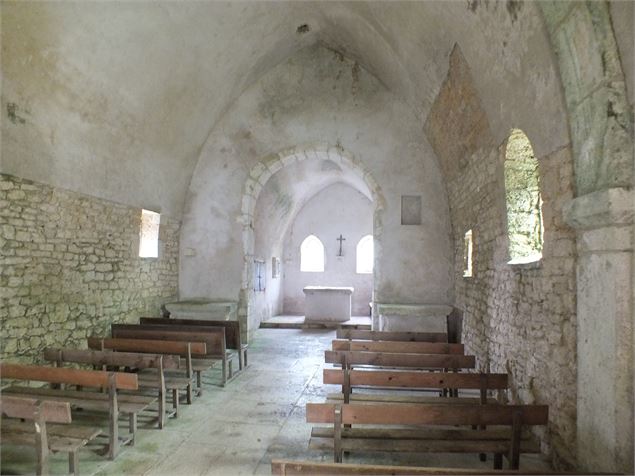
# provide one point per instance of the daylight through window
(365, 255)
(312, 255)
(149, 234)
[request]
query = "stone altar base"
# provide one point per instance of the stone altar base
(327, 304)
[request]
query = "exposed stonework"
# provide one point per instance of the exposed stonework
(517, 318)
(70, 267)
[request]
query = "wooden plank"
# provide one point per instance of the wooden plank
(232, 328)
(108, 357)
(419, 433)
(214, 337)
(413, 379)
(392, 398)
(85, 378)
(147, 346)
(421, 445)
(393, 359)
(427, 414)
(27, 408)
(355, 334)
(300, 468)
(398, 347)
(80, 432)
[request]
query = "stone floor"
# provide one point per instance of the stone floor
(238, 429)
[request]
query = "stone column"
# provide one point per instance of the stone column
(604, 224)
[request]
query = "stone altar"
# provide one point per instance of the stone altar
(327, 303)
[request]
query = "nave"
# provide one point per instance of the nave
(238, 429)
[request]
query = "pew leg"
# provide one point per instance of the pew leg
(73, 463)
(189, 393)
(132, 427)
(199, 388)
(162, 410)
(175, 402)
(241, 360)
(498, 461)
(224, 372)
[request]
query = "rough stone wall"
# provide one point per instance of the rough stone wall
(521, 318)
(69, 267)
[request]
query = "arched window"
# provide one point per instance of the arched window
(524, 204)
(312, 255)
(365, 255)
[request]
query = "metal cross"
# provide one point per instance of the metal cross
(340, 239)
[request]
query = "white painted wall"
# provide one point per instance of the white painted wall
(338, 209)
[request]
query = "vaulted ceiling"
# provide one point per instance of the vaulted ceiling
(118, 99)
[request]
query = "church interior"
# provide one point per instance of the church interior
(226, 223)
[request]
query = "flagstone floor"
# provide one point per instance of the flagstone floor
(239, 429)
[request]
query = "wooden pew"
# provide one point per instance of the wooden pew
(411, 380)
(46, 428)
(173, 348)
(509, 442)
(357, 334)
(213, 337)
(399, 360)
(104, 359)
(109, 402)
(305, 468)
(398, 347)
(233, 339)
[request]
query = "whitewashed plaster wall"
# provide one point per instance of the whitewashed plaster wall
(338, 209)
(319, 96)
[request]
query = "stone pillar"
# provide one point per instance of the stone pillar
(604, 224)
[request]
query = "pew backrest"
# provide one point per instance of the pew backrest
(147, 346)
(110, 358)
(232, 328)
(360, 334)
(84, 378)
(414, 380)
(213, 337)
(398, 347)
(428, 414)
(33, 409)
(395, 359)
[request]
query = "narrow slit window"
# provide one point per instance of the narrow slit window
(312, 255)
(149, 234)
(467, 254)
(365, 255)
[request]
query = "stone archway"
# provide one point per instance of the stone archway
(260, 174)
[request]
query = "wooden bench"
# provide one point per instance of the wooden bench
(213, 337)
(398, 347)
(185, 350)
(509, 441)
(109, 402)
(411, 380)
(357, 334)
(105, 358)
(47, 429)
(300, 468)
(233, 339)
(399, 360)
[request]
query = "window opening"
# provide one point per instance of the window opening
(467, 254)
(259, 276)
(312, 255)
(365, 255)
(149, 234)
(524, 203)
